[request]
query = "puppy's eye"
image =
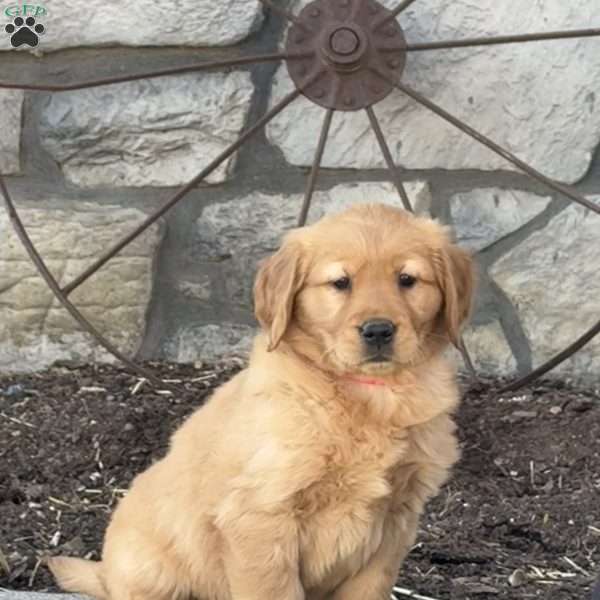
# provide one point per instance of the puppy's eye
(343, 283)
(406, 281)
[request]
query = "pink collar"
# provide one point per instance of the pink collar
(366, 381)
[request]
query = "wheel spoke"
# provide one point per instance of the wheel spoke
(207, 66)
(55, 288)
(585, 339)
(393, 169)
(395, 12)
(283, 12)
(400, 9)
(566, 190)
(502, 39)
(181, 193)
(312, 180)
(385, 150)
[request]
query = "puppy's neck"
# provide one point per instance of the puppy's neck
(366, 381)
(409, 397)
(401, 400)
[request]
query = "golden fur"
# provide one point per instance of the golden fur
(298, 479)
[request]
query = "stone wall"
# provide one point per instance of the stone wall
(86, 166)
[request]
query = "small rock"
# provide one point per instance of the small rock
(14, 391)
(74, 546)
(548, 486)
(555, 410)
(128, 427)
(517, 578)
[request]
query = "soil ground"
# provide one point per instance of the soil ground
(520, 518)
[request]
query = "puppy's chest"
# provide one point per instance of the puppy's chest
(342, 514)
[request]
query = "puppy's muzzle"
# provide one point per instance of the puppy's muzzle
(378, 335)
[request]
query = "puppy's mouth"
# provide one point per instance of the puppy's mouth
(379, 363)
(375, 362)
(379, 358)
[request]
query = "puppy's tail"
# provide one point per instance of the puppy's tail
(79, 576)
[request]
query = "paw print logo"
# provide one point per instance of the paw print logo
(24, 32)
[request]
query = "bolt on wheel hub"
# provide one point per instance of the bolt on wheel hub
(344, 41)
(353, 53)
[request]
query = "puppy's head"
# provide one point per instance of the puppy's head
(371, 290)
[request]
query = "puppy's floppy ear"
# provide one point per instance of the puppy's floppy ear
(279, 279)
(456, 277)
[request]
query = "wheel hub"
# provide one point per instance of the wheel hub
(352, 53)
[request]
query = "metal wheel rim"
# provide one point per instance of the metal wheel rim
(294, 55)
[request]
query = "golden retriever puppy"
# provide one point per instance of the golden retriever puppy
(303, 477)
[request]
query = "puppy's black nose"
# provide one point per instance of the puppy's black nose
(377, 332)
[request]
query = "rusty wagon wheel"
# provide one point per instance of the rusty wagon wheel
(343, 55)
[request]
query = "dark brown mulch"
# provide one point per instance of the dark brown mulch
(520, 519)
